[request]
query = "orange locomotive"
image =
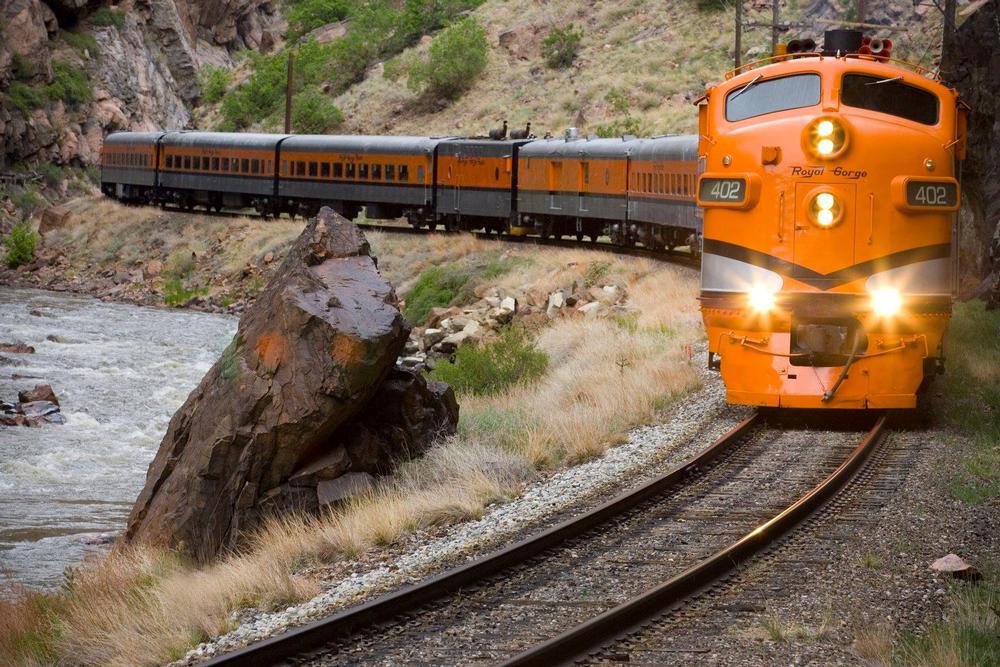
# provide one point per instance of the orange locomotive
(829, 193)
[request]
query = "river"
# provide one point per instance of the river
(120, 372)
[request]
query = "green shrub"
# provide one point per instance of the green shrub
(560, 46)
(25, 69)
(176, 293)
(27, 202)
(314, 113)
(69, 84)
(307, 15)
(627, 125)
(213, 82)
(26, 97)
(455, 59)
(52, 174)
(105, 17)
(489, 368)
(436, 287)
(83, 42)
(21, 244)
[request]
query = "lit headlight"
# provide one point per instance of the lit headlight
(826, 138)
(761, 299)
(886, 302)
(825, 209)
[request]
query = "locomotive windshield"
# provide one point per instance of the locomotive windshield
(890, 96)
(763, 97)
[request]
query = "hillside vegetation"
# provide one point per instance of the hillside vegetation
(606, 68)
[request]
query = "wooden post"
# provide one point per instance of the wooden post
(861, 11)
(739, 32)
(288, 94)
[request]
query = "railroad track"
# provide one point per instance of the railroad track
(673, 256)
(563, 593)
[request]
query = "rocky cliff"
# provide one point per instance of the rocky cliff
(975, 71)
(73, 70)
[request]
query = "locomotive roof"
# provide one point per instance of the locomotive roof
(674, 147)
(361, 144)
(577, 148)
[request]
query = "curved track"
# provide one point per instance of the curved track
(487, 589)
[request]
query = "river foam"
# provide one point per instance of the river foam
(120, 372)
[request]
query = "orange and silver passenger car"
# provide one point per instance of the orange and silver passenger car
(829, 193)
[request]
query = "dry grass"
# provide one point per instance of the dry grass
(873, 644)
(142, 606)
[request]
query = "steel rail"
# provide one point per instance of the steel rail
(390, 605)
(614, 623)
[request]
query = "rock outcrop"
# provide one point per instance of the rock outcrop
(298, 399)
(141, 68)
(975, 70)
(34, 407)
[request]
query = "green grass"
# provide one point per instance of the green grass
(82, 42)
(969, 636)
(495, 365)
(970, 391)
(307, 15)
(69, 84)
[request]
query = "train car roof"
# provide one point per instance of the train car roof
(132, 138)
(361, 144)
(222, 139)
(577, 148)
(673, 147)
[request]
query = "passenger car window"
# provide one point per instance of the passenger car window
(892, 97)
(338, 170)
(404, 172)
(324, 169)
(350, 170)
(390, 172)
(376, 172)
(363, 170)
(313, 169)
(772, 95)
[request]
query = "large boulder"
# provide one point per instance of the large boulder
(278, 412)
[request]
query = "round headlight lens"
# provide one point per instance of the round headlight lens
(825, 209)
(826, 137)
(886, 302)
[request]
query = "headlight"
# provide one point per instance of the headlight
(761, 299)
(826, 138)
(825, 209)
(886, 302)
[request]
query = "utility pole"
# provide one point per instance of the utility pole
(948, 39)
(288, 94)
(775, 9)
(739, 32)
(861, 11)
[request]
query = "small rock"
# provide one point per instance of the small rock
(268, 257)
(432, 337)
(592, 309)
(154, 268)
(957, 567)
(493, 301)
(41, 392)
(472, 328)
(509, 303)
(556, 302)
(16, 348)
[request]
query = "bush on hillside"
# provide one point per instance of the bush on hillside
(69, 84)
(491, 367)
(21, 244)
(307, 15)
(105, 17)
(213, 82)
(561, 46)
(455, 59)
(626, 125)
(82, 42)
(51, 173)
(314, 113)
(377, 29)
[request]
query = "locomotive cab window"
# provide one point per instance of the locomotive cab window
(890, 97)
(758, 98)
